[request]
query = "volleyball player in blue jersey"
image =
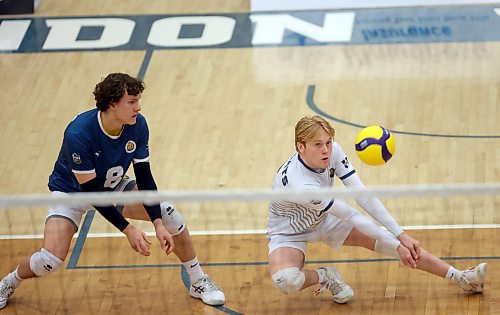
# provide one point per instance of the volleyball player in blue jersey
(98, 147)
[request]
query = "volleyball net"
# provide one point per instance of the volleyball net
(245, 211)
(227, 228)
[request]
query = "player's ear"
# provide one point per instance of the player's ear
(301, 147)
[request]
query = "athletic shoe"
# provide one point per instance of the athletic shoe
(6, 290)
(342, 293)
(208, 291)
(472, 279)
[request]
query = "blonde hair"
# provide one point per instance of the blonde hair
(307, 127)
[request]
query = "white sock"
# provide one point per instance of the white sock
(453, 274)
(193, 269)
(14, 278)
(321, 274)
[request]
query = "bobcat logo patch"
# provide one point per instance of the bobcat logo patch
(130, 146)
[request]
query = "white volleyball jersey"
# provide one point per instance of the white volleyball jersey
(289, 218)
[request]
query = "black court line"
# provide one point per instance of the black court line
(312, 105)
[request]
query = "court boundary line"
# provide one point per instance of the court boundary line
(312, 105)
(246, 232)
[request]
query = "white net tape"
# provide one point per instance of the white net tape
(249, 195)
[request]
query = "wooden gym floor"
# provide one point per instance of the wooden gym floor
(224, 118)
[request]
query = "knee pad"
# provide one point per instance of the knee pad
(384, 249)
(289, 280)
(44, 262)
(172, 219)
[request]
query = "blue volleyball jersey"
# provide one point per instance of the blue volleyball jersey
(87, 148)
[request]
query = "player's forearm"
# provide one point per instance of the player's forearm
(145, 181)
(377, 210)
(112, 214)
(374, 207)
(344, 211)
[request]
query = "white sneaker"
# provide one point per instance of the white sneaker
(6, 290)
(472, 280)
(208, 291)
(342, 293)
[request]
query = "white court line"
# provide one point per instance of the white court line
(497, 11)
(241, 232)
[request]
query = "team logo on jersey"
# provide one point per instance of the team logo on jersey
(76, 158)
(130, 146)
(332, 172)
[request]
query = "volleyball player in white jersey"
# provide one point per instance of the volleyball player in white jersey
(98, 147)
(291, 225)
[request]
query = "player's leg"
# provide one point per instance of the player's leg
(470, 280)
(286, 267)
(61, 225)
(202, 286)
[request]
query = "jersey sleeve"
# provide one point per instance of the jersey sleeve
(142, 151)
(343, 168)
(80, 153)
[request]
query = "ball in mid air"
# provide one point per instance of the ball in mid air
(375, 145)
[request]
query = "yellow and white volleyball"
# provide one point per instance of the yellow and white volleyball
(375, 145)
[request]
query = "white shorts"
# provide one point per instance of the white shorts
(74, 213)
(333, 232)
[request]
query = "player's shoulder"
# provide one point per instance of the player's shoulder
(337, 151)
(82, 124)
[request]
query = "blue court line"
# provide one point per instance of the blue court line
(80, 241)
(145, 64)
(187, 284)
(316, 109)
(262, 263)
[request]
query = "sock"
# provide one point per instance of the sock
(193, 269)
(321, 274)
(14, 278)
(453, 274)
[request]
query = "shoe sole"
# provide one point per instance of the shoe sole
(345, 299)
(211, 303)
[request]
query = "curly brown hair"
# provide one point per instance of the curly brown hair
(112, 88)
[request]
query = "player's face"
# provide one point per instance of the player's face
(127, 108)
(317, 151)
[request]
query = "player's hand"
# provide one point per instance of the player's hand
(165, 238)
(138, 240)
(406, 257)
(412, 244)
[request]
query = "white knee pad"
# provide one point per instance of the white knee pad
(384, 249)
(172, 219)
(44, 262)
(289, 280)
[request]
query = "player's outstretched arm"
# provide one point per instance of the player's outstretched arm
(344, 211)
(374, 206)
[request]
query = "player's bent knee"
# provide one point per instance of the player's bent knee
(44, 262)
(172, 219)
(289, 280)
